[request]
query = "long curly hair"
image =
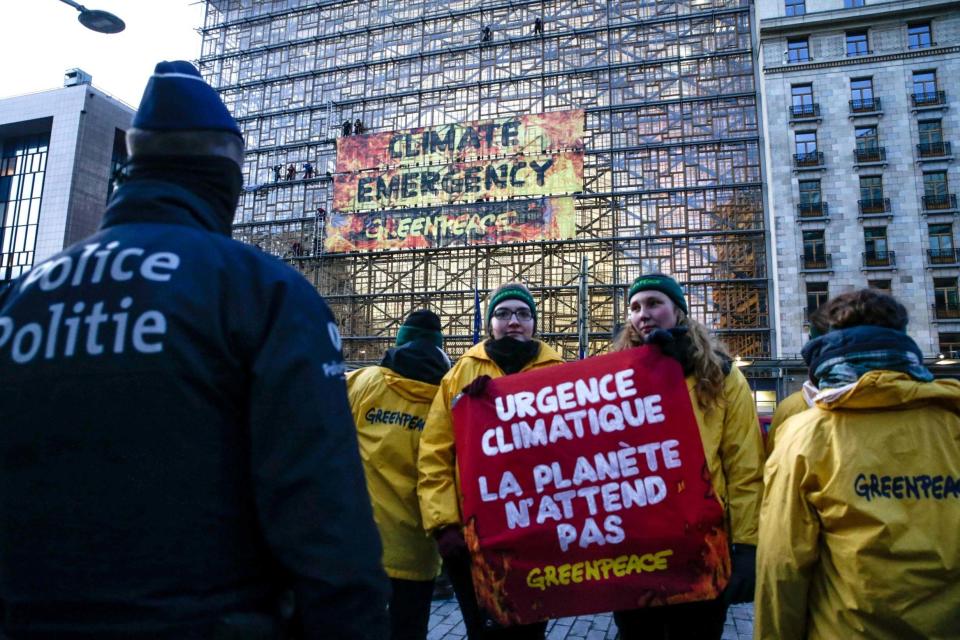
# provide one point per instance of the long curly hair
(706, 355)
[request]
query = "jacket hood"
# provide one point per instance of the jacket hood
(877, 390)
(419, 360)
(408, 388)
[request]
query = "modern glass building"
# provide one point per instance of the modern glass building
(672, 154)
(58, 153)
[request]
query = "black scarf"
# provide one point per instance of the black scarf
(510, 354)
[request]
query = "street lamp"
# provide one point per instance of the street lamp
(96, 20)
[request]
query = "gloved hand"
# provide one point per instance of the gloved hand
(477, 387)
(673, 343)
(743, 578)
(450, 542)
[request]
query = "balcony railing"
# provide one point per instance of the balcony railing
(870, 154)
(946, 311)
(813, 209)
(943, 256)
(812, 159)
(933, 149)
(804, 111)
(817, 262)
(939, 202)
(874, 206)
(929, 98)
(879, 259)
(865, 105)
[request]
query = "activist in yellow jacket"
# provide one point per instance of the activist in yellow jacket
(861, 512)
(732, 444)
(721, 398)
(793, 404)
(439, 485)
(390, 411)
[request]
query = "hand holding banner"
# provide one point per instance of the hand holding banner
(585, 489)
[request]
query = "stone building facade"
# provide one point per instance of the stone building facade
(862, 114)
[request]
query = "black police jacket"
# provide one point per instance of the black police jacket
(175, 440)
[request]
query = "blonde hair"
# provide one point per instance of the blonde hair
(706, 355)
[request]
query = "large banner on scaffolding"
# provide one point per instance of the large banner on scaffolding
(463, 183)
(480, 223)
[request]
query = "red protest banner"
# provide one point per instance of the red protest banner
(585, 489)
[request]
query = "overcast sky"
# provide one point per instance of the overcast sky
(42, 39)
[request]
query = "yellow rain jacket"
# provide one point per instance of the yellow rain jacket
(439, 486)
(788, 407)
(860, 524)
(733, 446)
(389, 411)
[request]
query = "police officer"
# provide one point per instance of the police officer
(178, 452)
(390, 404)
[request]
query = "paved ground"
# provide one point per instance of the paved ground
(447, 624)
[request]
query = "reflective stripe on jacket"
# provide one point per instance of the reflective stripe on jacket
(733, 446)
(390, 411)
(438, 487)
(861, 513)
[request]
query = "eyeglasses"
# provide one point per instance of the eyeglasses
(523, 315)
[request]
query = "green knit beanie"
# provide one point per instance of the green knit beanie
(662, 283)
(511, 291)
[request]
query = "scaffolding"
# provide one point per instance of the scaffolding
(672, 178)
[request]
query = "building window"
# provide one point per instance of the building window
(931, 138)
(883, 286)
(810, 198)
(866, 137)
(941, 244)
(946, 300)
(857, 43)
(877, 253)
(798, 50)
(936, 194)
(925, 88)
(871, 195)
(23, 167)
(850, 4)
(118, 159)
(861, 95)
(795, 7)
(950, 344)
(817, 294)
(806, 148)
(868, 144)
(935, 183)
(801, 100)
(814, 250)
(919, 36)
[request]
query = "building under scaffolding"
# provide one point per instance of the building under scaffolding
(671, 175)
